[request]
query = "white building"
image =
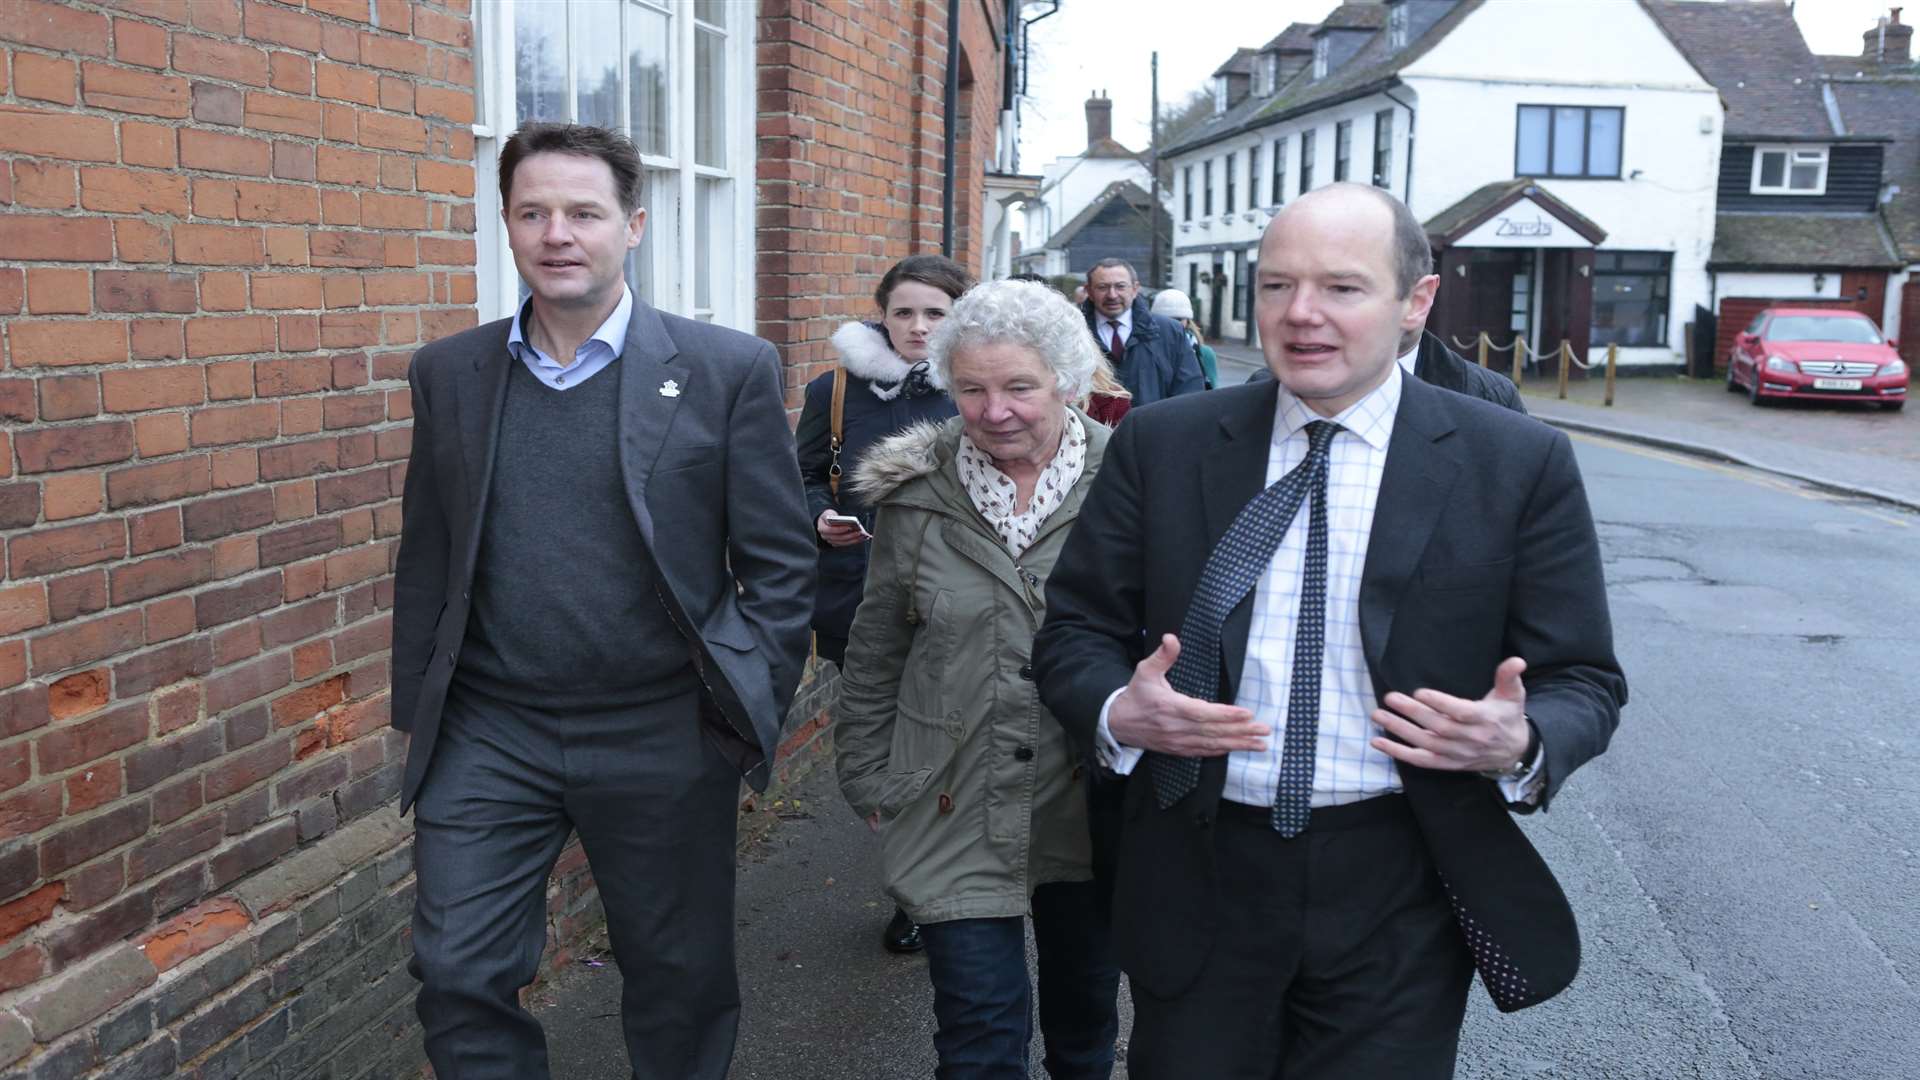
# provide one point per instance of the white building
(1068, 186)
(1563, 157)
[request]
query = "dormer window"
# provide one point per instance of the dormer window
(1320, 57)
(1269, 74)
(1397, 26)
(1219, 94)
(1789, 170)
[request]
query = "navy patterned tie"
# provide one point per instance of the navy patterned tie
(1233, 569)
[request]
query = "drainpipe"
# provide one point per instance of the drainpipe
(1388, 94)
(952, 103)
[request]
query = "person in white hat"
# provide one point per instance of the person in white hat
(1174, 305)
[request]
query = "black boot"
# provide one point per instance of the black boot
(902, 935)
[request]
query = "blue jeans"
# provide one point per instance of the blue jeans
(983, 1002)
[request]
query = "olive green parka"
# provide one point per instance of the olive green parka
(939, 728)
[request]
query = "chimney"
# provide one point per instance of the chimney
(1889, 42)
(1099, 119)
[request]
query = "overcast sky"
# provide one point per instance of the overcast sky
(1107, 45)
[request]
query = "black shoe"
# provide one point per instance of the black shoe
(902, 935)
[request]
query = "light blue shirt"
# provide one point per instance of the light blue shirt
(592, 357)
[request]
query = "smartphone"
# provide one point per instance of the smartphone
(846, 519)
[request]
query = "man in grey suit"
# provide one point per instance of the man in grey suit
(600, 612)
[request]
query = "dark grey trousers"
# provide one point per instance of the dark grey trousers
(653, 802)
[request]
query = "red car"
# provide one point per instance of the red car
(1819, 354)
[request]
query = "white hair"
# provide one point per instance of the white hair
(1024, 313)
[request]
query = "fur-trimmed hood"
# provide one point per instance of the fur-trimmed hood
(892, 462)
(864, 352)
(926, 448)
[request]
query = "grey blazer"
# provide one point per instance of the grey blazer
(712, 480)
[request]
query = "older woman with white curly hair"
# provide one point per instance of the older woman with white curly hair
(944, 746)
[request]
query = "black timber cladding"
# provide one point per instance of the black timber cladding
(1118, 230)
(1853, 182)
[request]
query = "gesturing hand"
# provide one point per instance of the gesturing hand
(1440, 731)
(1151, 715)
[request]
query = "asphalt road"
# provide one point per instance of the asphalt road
(1745, 861)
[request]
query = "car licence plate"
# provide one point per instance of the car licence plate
(1836, 384)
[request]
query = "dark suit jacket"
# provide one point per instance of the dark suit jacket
(1161, 361)
(1482, 547)
(712, 481)
(1441, 366)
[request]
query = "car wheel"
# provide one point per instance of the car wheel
(1892, 406)
(1732, 387)
(1753, 391)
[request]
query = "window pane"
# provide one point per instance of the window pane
(1532, 159)
(647, 79)
(539, 62)
(1569, 137)
(1603, 142)
(1773, 168)
(712, 12)
(710, 98)
(1804, 177)
(596, 61)
(712, 233)
(657, 188)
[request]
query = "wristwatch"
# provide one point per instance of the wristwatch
(1519, 768)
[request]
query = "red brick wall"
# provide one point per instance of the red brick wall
(851, 149)
(224, 225)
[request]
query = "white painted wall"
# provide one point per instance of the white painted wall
(1895, 284)
(1068, 185)
(1587, 42)
(1467, 91)
(1789, 286)
(1590, 52)
(1243, 228)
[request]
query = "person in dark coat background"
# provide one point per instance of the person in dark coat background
(1149, 352)
(889, 387)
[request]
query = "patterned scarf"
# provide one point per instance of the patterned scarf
(994, 493)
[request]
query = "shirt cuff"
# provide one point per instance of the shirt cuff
(1526, 786)
(1120, 760)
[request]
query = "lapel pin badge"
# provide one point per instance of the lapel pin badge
(669, 389)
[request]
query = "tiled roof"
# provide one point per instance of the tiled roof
(1125, 190)
(1360, 15)
(1107, 148)
(1240, 63)
(1754, 55)
(1297, 37)
(1800, 242)
(1467, 214)
(1376, 62)
(1888, 106)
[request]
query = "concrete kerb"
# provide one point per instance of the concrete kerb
(1702, 450)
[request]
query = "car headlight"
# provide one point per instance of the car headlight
(1897, 367)
(1781, 363)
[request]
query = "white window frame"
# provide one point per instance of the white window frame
(1397, 26)
(1219, 94)
(1320, 49)
(673, 269)
(1820, 154)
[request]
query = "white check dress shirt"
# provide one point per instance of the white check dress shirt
(1346, 767)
